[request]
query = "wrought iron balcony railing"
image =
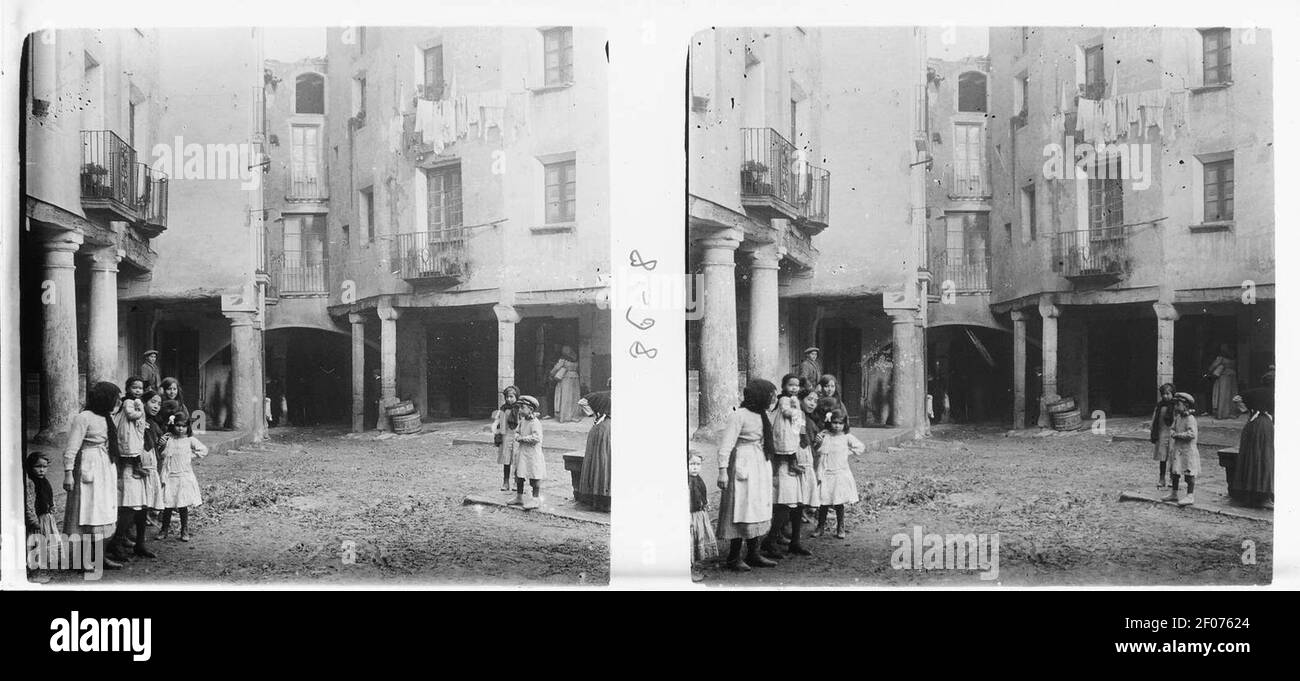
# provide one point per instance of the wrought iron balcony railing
(967, 269)
(108, 173)
(1101, 253)
(151, 198)
(300, 272)
(774, 178)
(963, 183)
(437, 256)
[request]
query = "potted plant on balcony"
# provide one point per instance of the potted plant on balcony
(755, 178)
(94, 179)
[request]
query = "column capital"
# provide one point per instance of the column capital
(723, 241)
(903, 316)
(59, 250)
(386, 311)
(105, 259)
(1047, 310)
(357, 317)
(241, 318)
(1165, 312)
(1019, 316)
(765, 257)
(506, 314)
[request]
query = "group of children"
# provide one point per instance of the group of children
(128, 465)
(810, 474)
(517, 433)
(1174, 434)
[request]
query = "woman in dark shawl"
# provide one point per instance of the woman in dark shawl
(745, 456)
(593, 485)
(1252, 476)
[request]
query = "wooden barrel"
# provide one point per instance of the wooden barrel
(1067, 420)
(402, 408)
(406, 423)
(1064, 405)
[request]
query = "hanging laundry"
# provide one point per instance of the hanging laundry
(473, 104)
(425, 121)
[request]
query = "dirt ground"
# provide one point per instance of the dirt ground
(1053, 502)
(318, 506)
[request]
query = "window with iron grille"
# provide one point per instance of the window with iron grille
(446, 211)
(1217, 55)
(561, 189)
(559, 55)
(434, 83)
(1094, 78)
(1105, 196)
(1218, 191)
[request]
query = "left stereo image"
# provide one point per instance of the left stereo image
(316, 305)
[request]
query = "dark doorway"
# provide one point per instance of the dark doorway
(312, 370)
(538, 341)
(1122, 366)
(462, 369)
(842, 358)
(178, 357)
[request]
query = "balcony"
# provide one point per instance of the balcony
(1092, 257)
(115, 186)
(108, 176)
(431, 258)
(298, 273)
(308, 186)
(151, 200)
(776, 183)
(967, 269)
(961, 184)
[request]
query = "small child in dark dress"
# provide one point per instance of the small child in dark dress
(704, 543)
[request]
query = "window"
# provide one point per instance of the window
(434, 84)
(1218, 191)
(968, 160)
(1094, 73)
(1022, 95)
(1028, 212)
(1105, 196)
(972, 92)
(309, 94)
(966, 260)
(366, 204)
(1217, 55)
(359, 100)
(559, 55)
(794, 122)
(304, 254)
(347, 236)
(445, 208)
(561, 205)
(305, 179)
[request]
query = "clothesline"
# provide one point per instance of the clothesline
(1106, 120)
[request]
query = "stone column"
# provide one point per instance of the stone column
(1019, 367)
(59, 340)
(718, 364)
(1166, 315)
(388, 316)
(906, 357)
(103, 316)
(507, 317)
(1050, 313)
(358, 321)
(764, 314)
(245, 369)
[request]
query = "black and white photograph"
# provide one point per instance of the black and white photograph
(317, 305)
(981, 305)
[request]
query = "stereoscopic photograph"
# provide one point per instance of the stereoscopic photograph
(316, 305)
(979, 306)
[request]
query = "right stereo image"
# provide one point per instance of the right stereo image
(979, 306)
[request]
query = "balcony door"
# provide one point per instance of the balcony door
(303, 270)
(966, 260)
(446, 212)
(307, 181)
(968, 158)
